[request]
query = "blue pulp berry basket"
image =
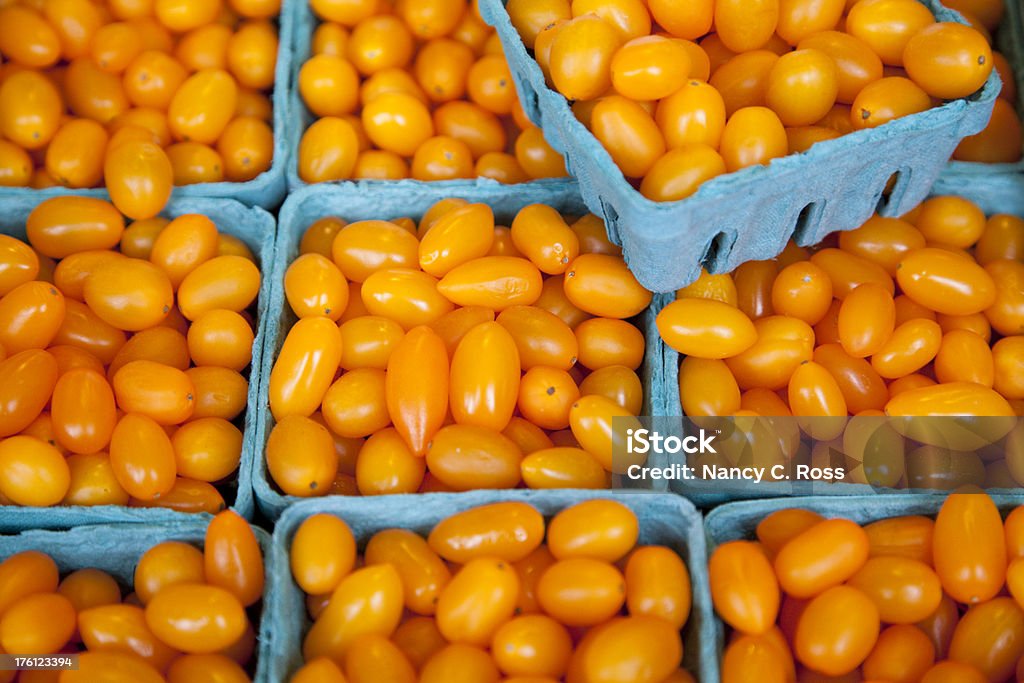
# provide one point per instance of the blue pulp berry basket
(706, 494)
(751, 214)
(736, 521)
(392, 201)
(116, 548)
(303, 22)
(265, 190)
(255, 227)
(995, 187)
(664, 519)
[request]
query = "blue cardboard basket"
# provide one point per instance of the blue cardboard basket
(387, 201)
(706, 494)
(736, 521)
(750, 214)
(995, 187)
(664, 519)
(116, 548)
(303, 22)
(265, 190)
(253, 226)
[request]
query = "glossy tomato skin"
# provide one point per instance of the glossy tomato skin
(368, 600)
(83, 411)
(743, 587)
(825, 555)
(988, 637)
(198, 619)
(417, 387)
(837, 631)
(305, 367)
(508, 530)
(233, 559)
(969, 549)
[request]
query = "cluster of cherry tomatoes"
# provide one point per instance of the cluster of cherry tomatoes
(139, 96)
(122, 352)
(920, 315)
(681, 92)
(414, 89)
(483, 598)
(901, 599)
(185, 622)
(450, 355)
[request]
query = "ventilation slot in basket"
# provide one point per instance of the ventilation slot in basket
(717, 254)
(893, 192)
(807, 223)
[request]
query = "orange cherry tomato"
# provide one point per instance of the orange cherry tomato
(310, 474)
(599, 529)
(540, 337)
(322, 553)
(602, 285)
(62, 226)
(743, 587)
(459, 662)
(464, 234)
(197, 619)
(305, 367)
(987, 638)
(417, 387)
(477, 601)
(27, 382)
(1007, 311)
(861, 385)
(83, 411)
(635, 648)
(752, 136)
(823, 556)
(39, 624)
(837, 631)
(581, 57)
(365, 247)
(969, 548)
(887, 26)
(886, 99)
(802, 290)
(948, 60)
(484, 380)
(31, 315)
(866, 320)
(905, 591)
(802, 86)
(202, 106)
(367, 601)
(123, 627)
(494, 282)
(542, 235)
(467, 456)
(743, 27)
(233, 559)
(508, 530)
(581, 591)
(160, 392)
(30, 108)
(142, 457)
(32, 473)
(781, 526)
(707, 388)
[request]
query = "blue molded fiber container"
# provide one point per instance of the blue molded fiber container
(255, 227)
(750, 214)
(739, 520)
(303, 22)
(995, 187)
(706, 494)
(664, 519)
(265, 190)
(384, 202)
(116, 548)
